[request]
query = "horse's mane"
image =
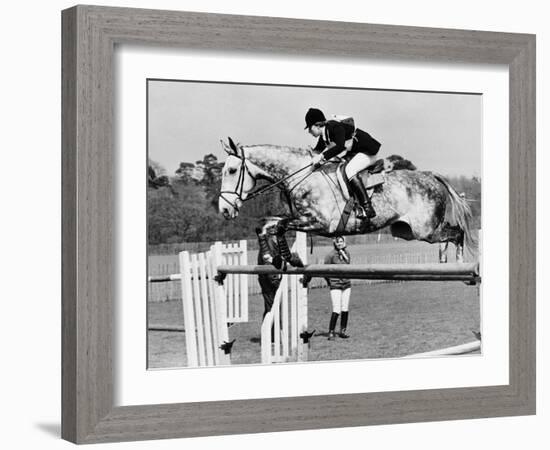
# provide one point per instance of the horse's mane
(284, 148)
(400, 163)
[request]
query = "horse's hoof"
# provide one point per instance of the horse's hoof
(278, 262)
(295, 261)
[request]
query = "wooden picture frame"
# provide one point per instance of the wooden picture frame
(89, 37)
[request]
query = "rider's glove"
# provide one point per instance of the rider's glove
(317, 161)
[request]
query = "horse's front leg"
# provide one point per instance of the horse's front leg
(279, 227)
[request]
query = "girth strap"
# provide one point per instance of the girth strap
(345, 215)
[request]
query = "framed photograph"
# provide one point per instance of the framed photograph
(250, 208)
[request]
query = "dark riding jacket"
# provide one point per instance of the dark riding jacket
(338, 257)
(338, 133)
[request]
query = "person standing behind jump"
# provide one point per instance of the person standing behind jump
(340, 289)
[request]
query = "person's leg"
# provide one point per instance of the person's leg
(345, 313)
(336, 300)
(269, 286)
(356, 164)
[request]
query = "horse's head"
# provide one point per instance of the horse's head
(237, 180)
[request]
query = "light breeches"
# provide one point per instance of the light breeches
(359, 162)
(340, 299)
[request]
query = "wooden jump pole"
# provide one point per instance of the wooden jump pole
(456, 350)
(411, 272)
(164, 278)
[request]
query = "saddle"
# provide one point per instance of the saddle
(376, 177)
(376, 173)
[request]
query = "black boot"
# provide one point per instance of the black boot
(361, 196)
(332, 326)
(343, 325)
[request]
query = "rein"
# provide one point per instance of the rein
(276, 183)
(240, 182)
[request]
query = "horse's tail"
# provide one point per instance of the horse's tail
(459, 214)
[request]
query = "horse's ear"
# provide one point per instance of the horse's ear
(233, 146)
(225, 148)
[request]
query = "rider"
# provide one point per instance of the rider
(361, 148)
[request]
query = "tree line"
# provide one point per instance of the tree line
(184, 207)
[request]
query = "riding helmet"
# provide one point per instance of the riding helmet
(314, 116)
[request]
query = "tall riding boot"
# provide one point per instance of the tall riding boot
(344, 324)
(332, 326)
(361, 196)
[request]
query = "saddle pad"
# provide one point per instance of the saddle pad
(372, 181)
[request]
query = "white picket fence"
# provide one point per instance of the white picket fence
(207, 306)
(236, 287)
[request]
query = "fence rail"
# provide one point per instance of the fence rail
(171, 290)
(424, 272)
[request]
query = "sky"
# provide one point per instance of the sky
(440, 132)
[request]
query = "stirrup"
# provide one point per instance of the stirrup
(360, 211)
(369, 212)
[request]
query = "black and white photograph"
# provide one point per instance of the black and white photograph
(293, 224)
(268, 225)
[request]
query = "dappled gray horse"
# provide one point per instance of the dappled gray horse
(414, 204)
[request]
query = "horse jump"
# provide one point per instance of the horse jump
(215, 291)
(278, 352)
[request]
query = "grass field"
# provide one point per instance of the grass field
(386, 320)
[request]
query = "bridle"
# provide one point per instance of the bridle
(239, 188)
(244, 170)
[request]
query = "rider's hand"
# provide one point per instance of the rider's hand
(317, 161)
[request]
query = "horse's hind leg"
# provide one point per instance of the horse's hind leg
(459, 242)
(454, 235)
(443, 246)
